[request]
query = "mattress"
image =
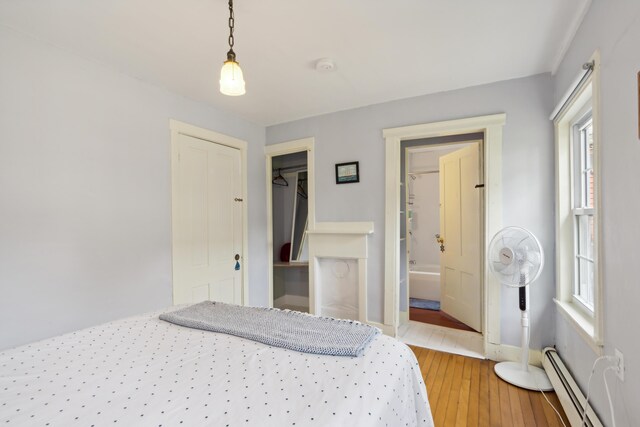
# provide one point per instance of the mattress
(142, 371)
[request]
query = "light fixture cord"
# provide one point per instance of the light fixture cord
(232, 22)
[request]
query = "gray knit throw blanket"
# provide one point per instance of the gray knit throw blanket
(292, 330)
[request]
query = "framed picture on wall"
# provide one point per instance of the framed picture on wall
(347, 173)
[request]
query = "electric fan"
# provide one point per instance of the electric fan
(516, 258)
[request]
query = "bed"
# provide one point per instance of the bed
(142, 371)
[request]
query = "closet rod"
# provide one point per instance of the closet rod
(290, 167)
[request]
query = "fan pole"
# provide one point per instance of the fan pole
(524, 319)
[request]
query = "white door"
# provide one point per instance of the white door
(207, 232)
(461, 283)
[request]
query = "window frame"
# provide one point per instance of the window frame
(579, 206)
(583, 101)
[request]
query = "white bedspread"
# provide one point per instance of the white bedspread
(142, 371)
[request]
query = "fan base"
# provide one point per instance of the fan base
(533, 379)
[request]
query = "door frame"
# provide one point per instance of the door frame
(492, 127)
(280, 149)
(180, 128)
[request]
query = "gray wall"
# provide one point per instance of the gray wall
(614, 27)
(85, 228)
(527, 171)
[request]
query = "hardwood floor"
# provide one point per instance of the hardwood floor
(464, 391)
(436, 317)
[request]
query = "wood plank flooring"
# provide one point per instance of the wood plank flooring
(436, 317)
(464, 391)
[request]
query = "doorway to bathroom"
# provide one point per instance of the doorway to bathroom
(441, 222)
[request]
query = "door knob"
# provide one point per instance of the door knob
(441, 241)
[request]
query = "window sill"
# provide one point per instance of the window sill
(582, 323)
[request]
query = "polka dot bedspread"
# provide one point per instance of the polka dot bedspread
(142, 371)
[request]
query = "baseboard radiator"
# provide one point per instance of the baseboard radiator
(569, 394)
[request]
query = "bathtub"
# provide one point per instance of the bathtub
(424, 282)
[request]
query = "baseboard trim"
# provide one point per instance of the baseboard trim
(510, 353)
(404, 317)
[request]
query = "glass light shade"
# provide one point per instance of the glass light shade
(231, 80)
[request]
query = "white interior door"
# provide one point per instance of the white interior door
(207, 232)
(461, 282)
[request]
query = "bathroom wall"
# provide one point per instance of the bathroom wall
(423, 208)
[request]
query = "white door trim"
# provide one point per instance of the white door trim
(491, 126)
(181, 128)
(289, 147)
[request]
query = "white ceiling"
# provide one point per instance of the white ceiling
(384, 50)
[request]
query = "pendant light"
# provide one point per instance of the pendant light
(231, 80)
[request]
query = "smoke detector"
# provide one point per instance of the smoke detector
(325, 65)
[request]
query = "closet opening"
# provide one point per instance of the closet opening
(290, 210)
(290, 221)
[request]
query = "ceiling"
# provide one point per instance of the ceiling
(383, 50)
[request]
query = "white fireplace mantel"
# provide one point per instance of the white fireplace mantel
(339, 240)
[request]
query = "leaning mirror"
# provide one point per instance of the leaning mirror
(299, 250)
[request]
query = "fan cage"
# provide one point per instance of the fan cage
(527, 251)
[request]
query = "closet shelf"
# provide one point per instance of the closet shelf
(300, 264)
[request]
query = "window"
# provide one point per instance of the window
(577, 216)
(583, 214)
